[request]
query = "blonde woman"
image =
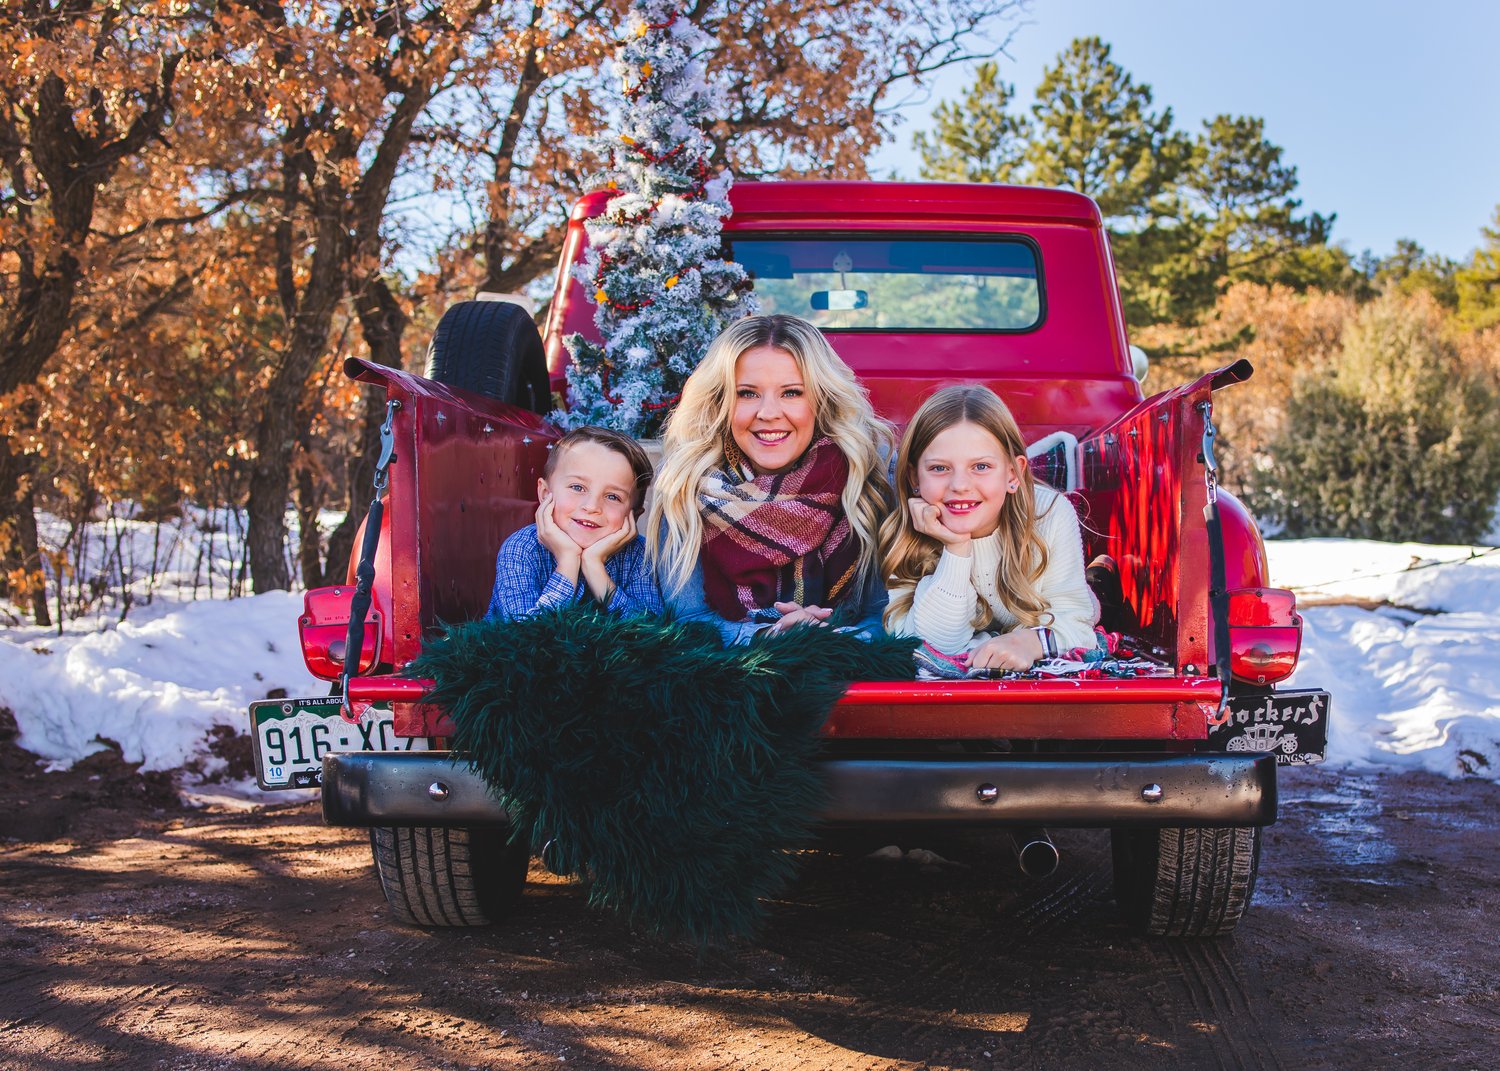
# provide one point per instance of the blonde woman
(983, 563)
(772, 486)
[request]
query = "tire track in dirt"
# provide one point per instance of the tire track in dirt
(1057, 905)
(956, 951)
(1216, 991)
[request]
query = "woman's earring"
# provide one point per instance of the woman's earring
(1015, 485)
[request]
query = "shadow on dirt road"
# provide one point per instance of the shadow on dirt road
(258, 940)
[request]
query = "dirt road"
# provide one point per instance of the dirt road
(136, 935)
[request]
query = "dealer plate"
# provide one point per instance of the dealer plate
(1292, 725)
(291, 736)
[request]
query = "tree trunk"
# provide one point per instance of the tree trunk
(270, 480)
(383, 322)
(286, 412)
(309, 544)
(21, 550)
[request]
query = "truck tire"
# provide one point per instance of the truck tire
(491, 348)
(1185, 881)
(436, 877)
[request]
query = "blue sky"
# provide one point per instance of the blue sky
(1389, 111)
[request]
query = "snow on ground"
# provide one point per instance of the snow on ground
(184, 659)
(1412, 656)
(155, 688)
(1410, 651)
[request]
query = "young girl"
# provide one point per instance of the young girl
(982, 562)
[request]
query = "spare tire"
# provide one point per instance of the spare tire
(491, 348)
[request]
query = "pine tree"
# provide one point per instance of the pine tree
(1479, 283)
(1410, 269)
(1096, 133)
(1237, 177)
(977, 138)
(653, 265)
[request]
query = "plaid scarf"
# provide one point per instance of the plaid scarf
(776, 538)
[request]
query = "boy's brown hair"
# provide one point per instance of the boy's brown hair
(622, 444)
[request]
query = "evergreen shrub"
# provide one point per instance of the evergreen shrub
(1398, 439)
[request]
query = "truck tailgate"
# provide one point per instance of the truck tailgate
(1161, 708)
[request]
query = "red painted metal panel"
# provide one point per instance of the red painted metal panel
(1005, 693)
(1076, 719)
(1143, 709)
(1072, 721)
(387, 689)
(1143, 497)
(462, 479)
(1245, 564)
(922, 693)
(860, 200)
(1146, 709)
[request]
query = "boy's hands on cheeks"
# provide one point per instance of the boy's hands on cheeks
(1014, 650)
(794, 614)
(610, 545)
(598, 553)
(928, 519)
(568, 553)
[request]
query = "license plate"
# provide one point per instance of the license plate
(291, 736)
(1292, 725)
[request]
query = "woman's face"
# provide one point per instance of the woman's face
(773, 418)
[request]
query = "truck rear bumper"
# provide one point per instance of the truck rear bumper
(405, 788)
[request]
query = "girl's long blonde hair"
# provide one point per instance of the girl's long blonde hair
(693, 440)
(907, 555)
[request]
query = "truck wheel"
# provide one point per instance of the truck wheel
(1185, 881)
(448, 877)
(491, 348)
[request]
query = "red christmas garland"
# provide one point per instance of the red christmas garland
(614, 399)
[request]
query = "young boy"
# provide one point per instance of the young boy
(584, 539)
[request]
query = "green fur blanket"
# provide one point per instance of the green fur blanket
(674, 775)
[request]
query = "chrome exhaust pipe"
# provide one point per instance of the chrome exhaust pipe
(1035, 852)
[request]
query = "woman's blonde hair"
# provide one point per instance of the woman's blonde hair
(907, 555)
(693, 440)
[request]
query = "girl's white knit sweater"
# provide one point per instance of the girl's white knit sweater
(947, 600)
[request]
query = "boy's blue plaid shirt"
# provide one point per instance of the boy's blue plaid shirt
(526, 580)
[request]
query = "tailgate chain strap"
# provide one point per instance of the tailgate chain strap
(1218, 594)
(387, 446)
(359, 605)
(1210, 463)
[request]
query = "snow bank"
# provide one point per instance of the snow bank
(155, 687)
(1411, 656)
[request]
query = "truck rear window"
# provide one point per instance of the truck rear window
(896, 283)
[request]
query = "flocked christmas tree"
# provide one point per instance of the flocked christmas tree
(654, 265)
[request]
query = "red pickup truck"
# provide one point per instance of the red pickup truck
(917, 286)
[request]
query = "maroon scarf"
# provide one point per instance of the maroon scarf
(777, 538)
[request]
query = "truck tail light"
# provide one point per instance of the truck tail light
(324, 629)
(1265, 634)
